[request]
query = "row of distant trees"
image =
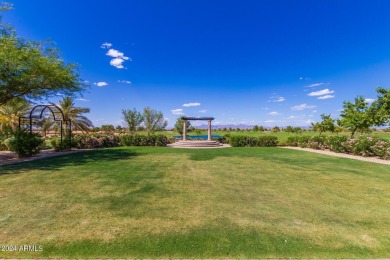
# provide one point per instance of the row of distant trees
(150, 119)
(359, 115)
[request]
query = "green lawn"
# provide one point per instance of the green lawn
(282, 136)
(164, 202)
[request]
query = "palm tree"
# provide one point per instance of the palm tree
(74, 114)
(45, 124)
(11, 111)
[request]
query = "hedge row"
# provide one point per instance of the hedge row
(102, 141)
(363, 145)
(250, 141)
(143, 140)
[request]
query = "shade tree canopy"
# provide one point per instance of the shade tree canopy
(33, 70)
(153, 120)
(326, 124)
(133, 119)
(179, 124)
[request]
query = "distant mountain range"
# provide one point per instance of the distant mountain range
(241, 126)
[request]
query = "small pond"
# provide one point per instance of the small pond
(194, 137)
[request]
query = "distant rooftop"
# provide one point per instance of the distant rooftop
(197, 118)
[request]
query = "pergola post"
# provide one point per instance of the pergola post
(185, 130)
(209, 131)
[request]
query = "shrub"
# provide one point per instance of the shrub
(382, 149)
(25, 144)
(267, 141)
(363, 146)
(317, 142)
(143, 140)
(224, 139)
(3, 147)
(292, 141)
(95, 141)
(67, 144)
(335, 143)
(248, 141)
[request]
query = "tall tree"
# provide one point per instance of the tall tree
(133, 119)
(33, 70)
(10, 113)
(382, 106)
(107, 129)
(154, 120)
(5, 29)
(326, 124)
(75, 114)
(357, 116)
(179, 124)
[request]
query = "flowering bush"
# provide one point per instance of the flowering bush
(382, 149)
(143, 140)
(334, 143)
(317, 142)
(363, 145)
(95, 141)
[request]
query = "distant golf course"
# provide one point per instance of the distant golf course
(163, 202)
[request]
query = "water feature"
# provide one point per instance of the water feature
(197, 137)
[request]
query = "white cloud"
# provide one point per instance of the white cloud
(124, 81)
(317, 85)
(119, 58)
(116, 54)
(326, 97)
(203, 111)
(314, 111)
(369, 100)
(320, 92)
(191, 104)
(302, 107)
(83, 99)
(178, 111)
(106, 45)
(117, 63)
(273, 113)
(101, 84)
(60, 94)
(276, 99)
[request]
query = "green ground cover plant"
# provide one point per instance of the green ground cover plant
(248, 202)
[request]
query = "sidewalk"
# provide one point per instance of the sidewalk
(7, 157)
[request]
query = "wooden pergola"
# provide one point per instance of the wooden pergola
(186, 118)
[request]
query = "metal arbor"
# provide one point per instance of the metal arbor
(37, 113)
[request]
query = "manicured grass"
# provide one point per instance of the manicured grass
(164, 202)
(282, 136)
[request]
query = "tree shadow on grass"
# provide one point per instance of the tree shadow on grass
(245, 152)
(74, 159)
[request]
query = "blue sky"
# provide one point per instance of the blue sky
(242, 62)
